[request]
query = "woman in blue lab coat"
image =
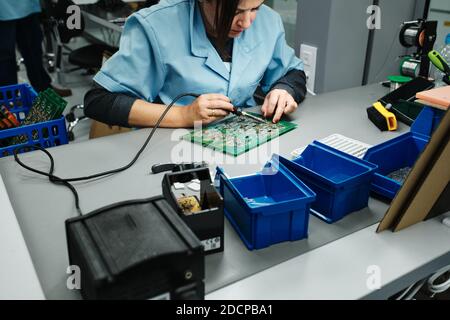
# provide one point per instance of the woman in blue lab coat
(19, 24)
(221, 49)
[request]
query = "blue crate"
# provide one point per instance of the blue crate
(268, 207)
(401, 152)
(340, 181)
(19, 99)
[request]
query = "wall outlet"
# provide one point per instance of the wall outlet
(309, 56)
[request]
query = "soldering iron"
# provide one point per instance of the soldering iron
(240, 113)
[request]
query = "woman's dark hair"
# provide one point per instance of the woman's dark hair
(225, 12)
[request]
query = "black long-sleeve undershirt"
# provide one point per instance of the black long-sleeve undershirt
(114, 108)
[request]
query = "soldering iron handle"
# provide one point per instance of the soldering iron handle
(236, 111)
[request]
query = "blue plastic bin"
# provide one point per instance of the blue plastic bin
(401, 152)
(268, 207)
(341, 182)
(19, 99)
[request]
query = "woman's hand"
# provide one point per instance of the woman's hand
(277, 103)
(208, 108)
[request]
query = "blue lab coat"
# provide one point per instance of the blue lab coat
(17, 9)
(164, 51)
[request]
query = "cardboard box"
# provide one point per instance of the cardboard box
(442, 205)
(100, 129)
(425, 184)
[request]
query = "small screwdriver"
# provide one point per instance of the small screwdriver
(238, 112)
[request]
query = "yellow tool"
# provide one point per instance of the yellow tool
(381, 117)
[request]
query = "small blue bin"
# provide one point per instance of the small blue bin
(401, 152)
(341, 182)
(268, 207)
(19, 99)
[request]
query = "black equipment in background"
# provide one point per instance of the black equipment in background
(407, 91)
(422, 35)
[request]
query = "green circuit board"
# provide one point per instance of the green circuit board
(236, 135)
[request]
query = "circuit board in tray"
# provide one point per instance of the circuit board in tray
(236, 135)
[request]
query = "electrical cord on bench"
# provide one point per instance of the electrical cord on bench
(66, 181)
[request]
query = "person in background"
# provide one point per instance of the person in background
(19, 24)
(221, 49)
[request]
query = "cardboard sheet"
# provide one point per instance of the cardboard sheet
(439, 97)
(425, 184)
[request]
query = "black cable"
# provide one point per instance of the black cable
(66, 181)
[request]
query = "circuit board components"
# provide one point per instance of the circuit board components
(236, 135)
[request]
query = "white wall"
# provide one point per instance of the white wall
(440, 11)
(338, 29)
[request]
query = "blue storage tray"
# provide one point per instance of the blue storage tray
(19, 99)
(340, 181)
(393, 155)
(268, 207)
(401, 152)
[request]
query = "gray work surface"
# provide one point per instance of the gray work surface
(18, 278)
(363, 265)
(41, 207)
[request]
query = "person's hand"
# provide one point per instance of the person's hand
(209, 107)
(277, 103)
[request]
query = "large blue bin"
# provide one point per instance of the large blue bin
(390, 156)
(268, 207)
(19, 99)
(401, 152)
(341, 181)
